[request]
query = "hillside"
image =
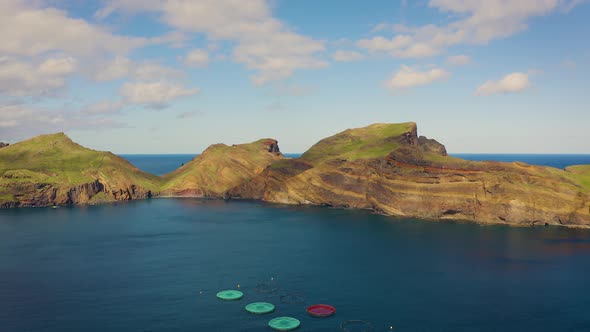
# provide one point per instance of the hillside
(386, 168)
(390, 170)
(221, 167)
(51, 169)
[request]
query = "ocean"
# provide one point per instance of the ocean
(156, 265)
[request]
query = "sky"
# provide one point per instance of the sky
(175, 76)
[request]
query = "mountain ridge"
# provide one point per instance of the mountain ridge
(386, 168)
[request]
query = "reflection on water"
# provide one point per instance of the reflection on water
(156, 265)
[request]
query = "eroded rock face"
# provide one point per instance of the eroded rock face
(386, 168)
(53, 170)
(44, 194)
(418, 180)
(220, 168)
(432, 146)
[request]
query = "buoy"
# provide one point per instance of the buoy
(321, 310)
(284, 323)
(230, 295)
(260, 308)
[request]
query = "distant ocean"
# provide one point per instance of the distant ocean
(160, 164)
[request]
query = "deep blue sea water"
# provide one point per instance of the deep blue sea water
(156, 265)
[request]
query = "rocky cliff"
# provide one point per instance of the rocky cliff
(387, 168)
(2, 145)
(221, 167)
(51, 169)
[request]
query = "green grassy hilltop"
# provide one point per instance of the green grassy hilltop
(52, 168)
(221, 167)
(386, 168)
(373, 141)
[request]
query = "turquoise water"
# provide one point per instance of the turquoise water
(156, 265)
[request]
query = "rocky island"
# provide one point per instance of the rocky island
(386, 168)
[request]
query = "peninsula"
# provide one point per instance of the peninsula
(386, 168)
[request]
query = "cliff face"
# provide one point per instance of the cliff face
(415, 178)
(51, 169)
(386, 168)
(221, 167)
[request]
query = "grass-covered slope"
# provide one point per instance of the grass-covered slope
(581, 174)
(220, 168)
(52, 169)
(389, 169)
(373, 141)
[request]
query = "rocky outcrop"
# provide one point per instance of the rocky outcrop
(35, 194)
(2, 145)
(220, 168)
(431, 146)
(417, 179)
(386, 168)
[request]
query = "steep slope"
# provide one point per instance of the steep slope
(51, 169)
(389, 169)
(221, 167)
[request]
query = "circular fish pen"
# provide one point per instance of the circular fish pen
(321, 310)
(230, 295)
(284, 323)
(259, 308)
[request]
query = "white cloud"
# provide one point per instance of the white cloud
(188, 114)
(197, 58)
(25, 78)
(263, 43)
(155, 94)
(408, 77)
(20, 121)
(27, 30)
(346, 56)
(459, 60)
(478, 22)
(381, 44)
(8, 123)
(122, 67)
(569, 64)
(105, 107)
(39, 45)
(513, 82)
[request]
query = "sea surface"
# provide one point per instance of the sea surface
(156, 265)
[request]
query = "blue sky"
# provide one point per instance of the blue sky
(174, 76)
